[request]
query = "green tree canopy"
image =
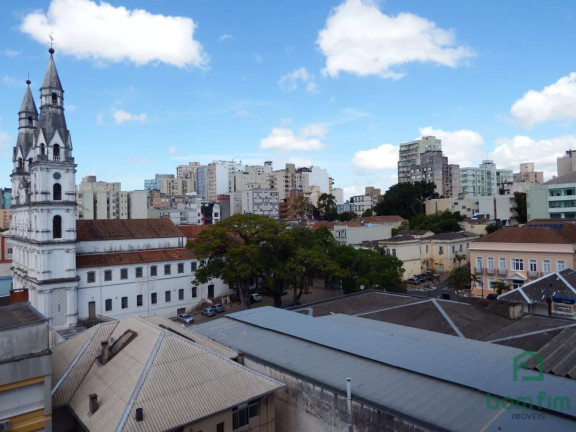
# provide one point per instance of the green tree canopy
(327, 207)
(437, 223)
(406, 199)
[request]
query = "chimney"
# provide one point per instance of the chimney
(93, 403)
(240, 358)
(104, 353)
(139, 414)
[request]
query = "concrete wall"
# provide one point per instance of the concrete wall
(303, 406)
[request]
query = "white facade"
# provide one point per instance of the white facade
(484, 180)
(103, 200)
(262, 202)
(555, 199)
(354, 235)
(338, 194)
(256, 176)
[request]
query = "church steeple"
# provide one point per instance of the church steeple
(27, 122)
(52, 118)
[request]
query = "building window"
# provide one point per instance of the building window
(502, 263)
(153, 271)
(440, 250)
(9, 250)
(426, 248)
(533, 267)
(193, 266)
(124, 302)
(57, 227)
(154, 298)
(239, 417)
(139, 299)
(57, 192)
(167, 269)
(393, 252)
(546, 267)
(460, 248)
(167, 296)
(139, 272)
(107, 275)
(108, 305)
(517, 264)
(253, 409)
(210, 291)
(490, 283)
(181, 294)
(478, 264)
(490, 263)
(194, 292)
(91, 277)
(560, 265)
(123, 273)
(220, 427)
(180, 267)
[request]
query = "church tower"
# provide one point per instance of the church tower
(44, 204)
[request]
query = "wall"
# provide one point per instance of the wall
(303, 406)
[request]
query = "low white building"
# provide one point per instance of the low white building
(555, 199)
(137, 267)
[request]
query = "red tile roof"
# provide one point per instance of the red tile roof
(552, 231)
(382, 219)
(123, 229)
(192, 231)
(126, 258)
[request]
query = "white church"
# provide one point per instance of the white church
(77, 270)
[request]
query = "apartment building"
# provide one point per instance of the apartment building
(516, 255)
(555, 199)
(409, 155)
(261, 201)
(483, 180)
(434, 167)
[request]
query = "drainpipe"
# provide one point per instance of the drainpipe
(349, 403)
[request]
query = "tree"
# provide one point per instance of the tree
(521, 207)
(459, 278)
(232, 250)
(347, 216)
(301, 205)
(406, 199)
(327, 206)
(437, 223)
(460, 258)
(490, 228)
(500, 286)
(368, 213)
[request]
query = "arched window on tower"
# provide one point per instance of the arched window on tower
(20, 163)
(57, 227)
(42, 149)
(56, 152)
(57, 192)
(29, 121)
(54, 99)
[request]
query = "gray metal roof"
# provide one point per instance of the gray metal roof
(435, 380)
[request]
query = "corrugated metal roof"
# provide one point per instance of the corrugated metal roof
(440, 380)
(175, 380)
(192, 335)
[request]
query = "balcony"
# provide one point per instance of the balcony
(502, 272)
(533, 275)
(490, 271)
(478, 270)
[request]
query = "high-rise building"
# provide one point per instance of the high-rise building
(409, 155)
(434, 167)
(483, 180)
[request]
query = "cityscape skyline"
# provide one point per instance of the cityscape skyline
(208, 86)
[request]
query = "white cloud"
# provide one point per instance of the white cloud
(5, 142)
(300, 162)
(172, 149)
(289, 82)
(104, 33)
(510, 152)
(10, 53)
(11, 81)
(557, 102)
(383, 157)
(224, 37)
(463, 147)
(121, 116)
(286, 140)
(358, 38)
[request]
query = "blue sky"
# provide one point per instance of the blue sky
(335, 84)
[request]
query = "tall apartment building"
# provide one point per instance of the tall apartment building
(254, 176)
(409, 155)
(218, 178)
(313, 181)
(566, 163)
(528, 175)
(483, 180)
(187, 171)
(102, 200)
(434, 167)
(338, 194)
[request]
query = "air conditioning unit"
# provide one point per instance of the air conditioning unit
(4, 425)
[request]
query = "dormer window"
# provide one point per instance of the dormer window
(54, 99)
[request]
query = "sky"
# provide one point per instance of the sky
(337, 84)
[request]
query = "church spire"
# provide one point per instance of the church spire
(51, 78)
(28, 105)
(27, 122)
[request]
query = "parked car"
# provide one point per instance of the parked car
(255, 298)
(219, 308)
(413, 281)
(186, 318)
(209, 311)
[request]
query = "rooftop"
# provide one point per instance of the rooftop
(552, 231)
(19, 315)
(126, 258)
(125, 229)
